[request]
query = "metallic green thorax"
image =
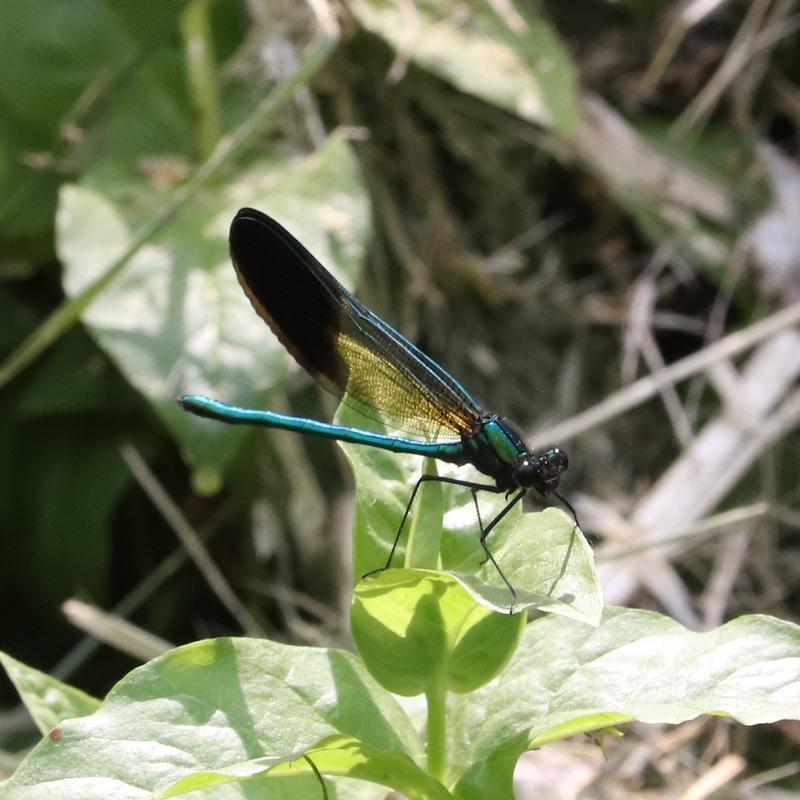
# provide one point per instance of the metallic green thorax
(505, 443)
(495, 450)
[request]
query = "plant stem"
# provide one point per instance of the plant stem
(198, 46)
(436, 697)
(425, 525)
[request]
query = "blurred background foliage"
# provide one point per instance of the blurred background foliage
(509, 183)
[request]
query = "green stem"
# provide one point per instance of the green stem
(198, 44)
(436, 697)
(69, 312)
(425, 524)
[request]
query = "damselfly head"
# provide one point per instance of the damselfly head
(543, 472)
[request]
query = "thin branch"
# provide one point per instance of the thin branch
(715, 524)
(713, 779)
(645, 388)
(191, 541)
(739, 53)
(115, 631)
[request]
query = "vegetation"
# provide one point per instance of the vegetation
(586, 211)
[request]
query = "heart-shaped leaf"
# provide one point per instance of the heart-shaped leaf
(176, 321)
(567, 677)
(222, 706)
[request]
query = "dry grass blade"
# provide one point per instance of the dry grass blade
(710, 526)
(641, 391)
(739, 53)
(115, 631)
(717, 459)
(191, 541)
(642, 341)
(610, 145)
(692, 13)
(723, 772)
(728, 563)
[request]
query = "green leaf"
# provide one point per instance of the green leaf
(176, 321)
(263, 786)
(566, 678)
(48, 700)
(424, 527)
(205, 708)
(336, 755)
(345, 756)
(544, 556)
(514, 61)
(417, 630)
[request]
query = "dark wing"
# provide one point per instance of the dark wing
(346, 347)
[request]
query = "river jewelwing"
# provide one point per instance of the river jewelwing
(351, 351)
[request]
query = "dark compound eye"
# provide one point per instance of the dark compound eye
(527, 472)
(551, 465)
(542, 472)
(556, 458)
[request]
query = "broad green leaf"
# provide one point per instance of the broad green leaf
(513, 59)
(544, 555)
(48, 700)
(206, 708)
(424, 527)
(566, 678)
(176, 321)
(337, 756)
(354, 789)
(418, 631)
(349, 757)
(302, 787)
(211, 786)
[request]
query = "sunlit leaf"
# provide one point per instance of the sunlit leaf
(176, 320)
(337, 756)
(417, 630)
(48, 700)
(216, 706)
(506, 55)
(567, 678)
(544, 556)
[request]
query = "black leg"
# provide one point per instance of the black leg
(511, 503)
(484, 531)
(568, 506)
(488, 529)
(480, 526)
(484, 487)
